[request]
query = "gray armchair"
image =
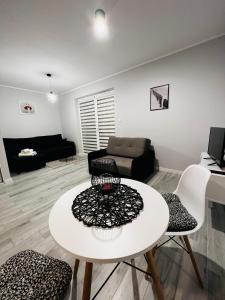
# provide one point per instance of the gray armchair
(135, 157)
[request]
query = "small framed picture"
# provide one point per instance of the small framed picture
(159, 97)
(27, 108)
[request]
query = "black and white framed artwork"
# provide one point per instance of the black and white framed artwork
(159, 97)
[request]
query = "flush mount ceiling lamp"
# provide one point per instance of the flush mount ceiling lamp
(51, 96)
(100, 24)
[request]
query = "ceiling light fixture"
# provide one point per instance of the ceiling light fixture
(52, 97)
(100, 24)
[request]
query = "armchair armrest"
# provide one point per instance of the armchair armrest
(144, 165)
(94, 155)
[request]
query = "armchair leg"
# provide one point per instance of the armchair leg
(188, 245)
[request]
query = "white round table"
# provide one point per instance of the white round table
(109, 245)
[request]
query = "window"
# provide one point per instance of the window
(97, 119)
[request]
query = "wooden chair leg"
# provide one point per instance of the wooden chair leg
(148, 268)
(87, 281)
(155, 275)
(188, 245)
(182, 240)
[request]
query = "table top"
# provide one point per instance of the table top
(215, 169)
(110, 245)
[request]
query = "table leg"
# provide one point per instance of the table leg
(76, 266)
(148, 268)
(155, 275)
(87, 281)
(74, 281)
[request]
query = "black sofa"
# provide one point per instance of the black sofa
(134, 157)
(48, 148)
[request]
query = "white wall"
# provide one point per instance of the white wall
(45, 121)
(197, 101)
(3, 163)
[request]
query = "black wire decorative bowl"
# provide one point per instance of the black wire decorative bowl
(107, 209)
(105, 183)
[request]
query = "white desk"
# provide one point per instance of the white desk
(216, 187)
(127, 242)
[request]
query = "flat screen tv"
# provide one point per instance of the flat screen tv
(216, 145)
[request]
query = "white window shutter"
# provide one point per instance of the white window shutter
(106, 119)
(88, 125)
(97, 119)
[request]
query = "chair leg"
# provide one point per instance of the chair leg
(87, 281)
(188, 245)
(148, 268)
(155, 276)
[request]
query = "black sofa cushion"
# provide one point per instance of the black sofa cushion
(55, 152)
(180, 219)
(34, 276)
(48, 141)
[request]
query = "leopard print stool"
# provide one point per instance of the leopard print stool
(29, 275)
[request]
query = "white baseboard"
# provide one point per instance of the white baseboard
(170, 170)
(81, 154)
(8, 180)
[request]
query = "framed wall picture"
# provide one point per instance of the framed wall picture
(159, 97)
(27, 108)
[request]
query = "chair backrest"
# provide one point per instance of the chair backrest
(191, 190)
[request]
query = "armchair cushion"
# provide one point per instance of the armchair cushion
(123, 164)
(127, 147)
(180, 219)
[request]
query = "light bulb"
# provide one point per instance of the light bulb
(52, 97)
(100, 25)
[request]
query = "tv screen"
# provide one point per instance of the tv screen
(217, 144)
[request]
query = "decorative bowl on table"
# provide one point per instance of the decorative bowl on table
(105, 183)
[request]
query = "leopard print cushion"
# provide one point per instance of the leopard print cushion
(180, 219)
(29, 275)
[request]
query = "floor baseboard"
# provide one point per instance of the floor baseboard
(170, 170)
(8, 181)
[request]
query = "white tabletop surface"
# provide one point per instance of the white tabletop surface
(107, 246)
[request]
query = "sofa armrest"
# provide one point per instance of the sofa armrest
(71, 144)
(144, 165)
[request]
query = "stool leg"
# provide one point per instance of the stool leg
(188, 245)
(87, 281)
(155, 276)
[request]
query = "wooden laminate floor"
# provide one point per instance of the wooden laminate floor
(24, 210)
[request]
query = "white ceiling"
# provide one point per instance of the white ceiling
(39, 36)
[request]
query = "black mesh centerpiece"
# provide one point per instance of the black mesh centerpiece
(107, 210)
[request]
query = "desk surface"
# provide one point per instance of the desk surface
(104, 245)
(215, 169)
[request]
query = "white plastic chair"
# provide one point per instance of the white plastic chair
(191, 191)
